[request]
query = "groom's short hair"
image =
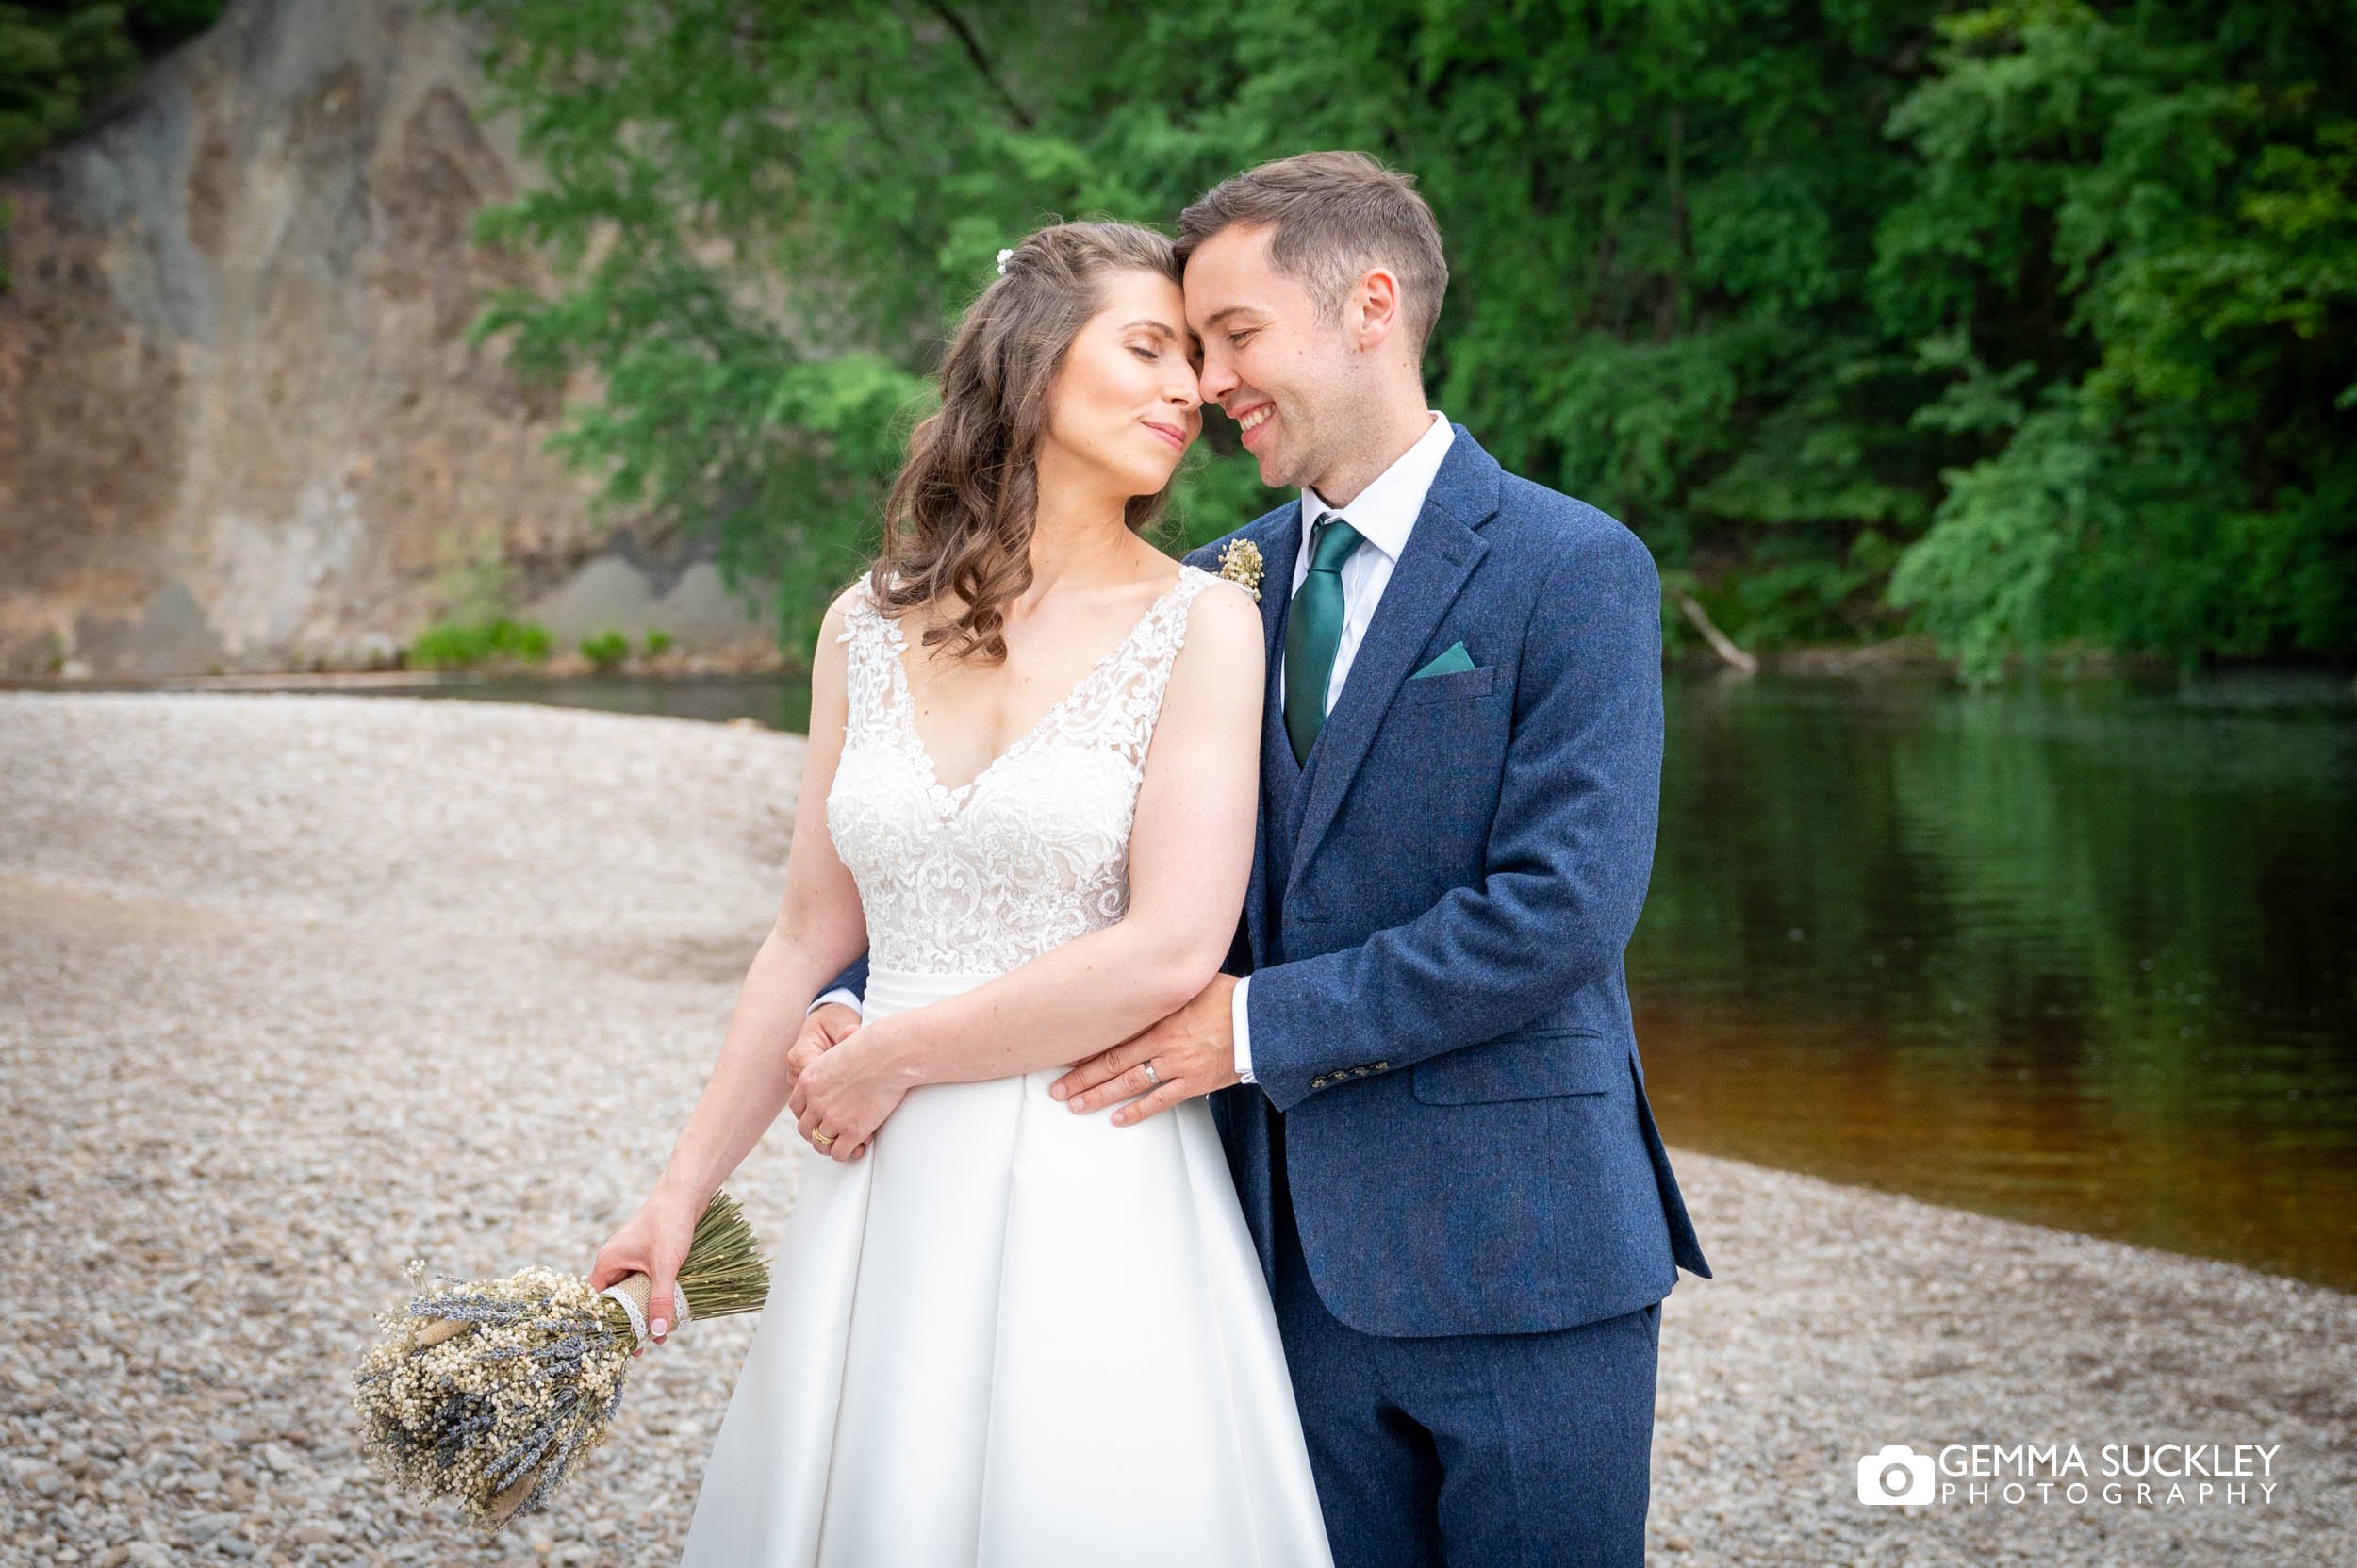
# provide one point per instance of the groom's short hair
(1333, 215)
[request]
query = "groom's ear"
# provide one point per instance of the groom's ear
(1373, 313)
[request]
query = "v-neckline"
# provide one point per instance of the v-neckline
(904, 702)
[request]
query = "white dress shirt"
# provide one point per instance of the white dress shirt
(1384, 514)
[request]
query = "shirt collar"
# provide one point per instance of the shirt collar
(1386, 510)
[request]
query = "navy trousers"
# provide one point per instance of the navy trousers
(1472, 1450)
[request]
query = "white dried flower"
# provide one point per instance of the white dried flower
(1239, 562)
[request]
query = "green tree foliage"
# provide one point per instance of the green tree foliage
(2025, 323)
(2131, 252)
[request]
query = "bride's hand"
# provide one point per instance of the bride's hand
(848, 1091)
(828, 1026)
(654, 1243)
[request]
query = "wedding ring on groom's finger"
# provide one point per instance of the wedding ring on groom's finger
(1151, 1075)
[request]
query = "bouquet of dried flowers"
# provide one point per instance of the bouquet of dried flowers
(489, 1392)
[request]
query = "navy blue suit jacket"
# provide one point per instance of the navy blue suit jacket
(1440, 1012)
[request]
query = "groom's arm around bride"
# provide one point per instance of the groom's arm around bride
(1459, 922)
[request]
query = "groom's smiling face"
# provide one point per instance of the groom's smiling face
(1286, 377)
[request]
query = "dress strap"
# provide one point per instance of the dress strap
(1135, 699)
(868, 676)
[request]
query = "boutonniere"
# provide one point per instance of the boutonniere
(1239, 562)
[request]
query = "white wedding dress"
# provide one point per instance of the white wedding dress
(1008, 1335)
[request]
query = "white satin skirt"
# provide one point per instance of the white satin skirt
(1009, 1336)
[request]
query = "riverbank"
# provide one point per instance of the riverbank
(1914, 656)
(294, 987)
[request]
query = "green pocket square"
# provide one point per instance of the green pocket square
(1449, 663)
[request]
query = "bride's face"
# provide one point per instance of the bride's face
(1124, 403)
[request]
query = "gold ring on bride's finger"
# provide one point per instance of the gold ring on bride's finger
(820, 1140)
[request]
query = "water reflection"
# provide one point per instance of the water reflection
(780, 702)
(2084, 954)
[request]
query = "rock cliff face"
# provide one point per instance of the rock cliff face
(239, 424)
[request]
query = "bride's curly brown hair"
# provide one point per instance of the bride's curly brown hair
(960, 515)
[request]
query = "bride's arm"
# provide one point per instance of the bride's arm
(1190, 859)
(819, 928)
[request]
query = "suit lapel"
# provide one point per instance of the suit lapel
(1278, 535)
(1441, 553)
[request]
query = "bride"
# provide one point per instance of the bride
(999, 1333)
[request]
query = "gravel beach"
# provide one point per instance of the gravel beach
(295, 987)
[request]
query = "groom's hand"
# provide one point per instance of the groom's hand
(1194, 1051)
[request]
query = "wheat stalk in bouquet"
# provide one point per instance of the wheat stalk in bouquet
(489, 1392)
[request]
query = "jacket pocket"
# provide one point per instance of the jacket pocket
(1440, 688)
(1521, 1066)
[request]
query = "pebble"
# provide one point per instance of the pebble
(294, 987)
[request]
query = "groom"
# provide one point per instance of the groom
(1420, 1060)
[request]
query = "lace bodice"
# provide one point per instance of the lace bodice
(1036, 850)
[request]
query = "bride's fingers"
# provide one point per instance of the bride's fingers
(851, 1138)
(811, 1123)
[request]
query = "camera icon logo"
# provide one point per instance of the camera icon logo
(1894, 1473)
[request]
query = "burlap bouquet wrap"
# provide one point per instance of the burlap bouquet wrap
(632, 1290)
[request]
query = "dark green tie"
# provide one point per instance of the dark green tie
(1313, 629)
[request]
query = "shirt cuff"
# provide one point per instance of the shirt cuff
(839, 993)
(1242, 1023)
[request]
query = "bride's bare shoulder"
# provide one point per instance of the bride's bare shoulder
(859, 597)
(836, 628)
(1224, 628)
